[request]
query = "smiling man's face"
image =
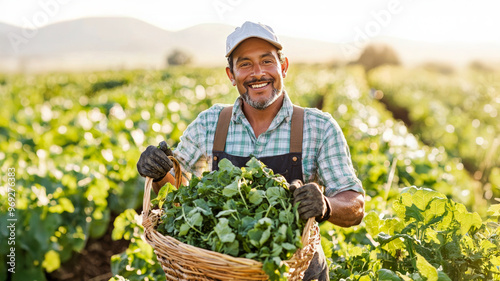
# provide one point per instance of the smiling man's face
(257, 72)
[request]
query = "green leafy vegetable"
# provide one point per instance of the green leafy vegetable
(243, 212)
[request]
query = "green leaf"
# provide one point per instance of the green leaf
(436, 208)
(494, 210)
(392, 225)
(254, 164)
(203, 206)
(256, 196)
(288, 246)
(274, 193)
(414, 212)
(231, 190)
(162, 195)
(496, 261)
(286, 217)
(406, 199)
(124, 225)
(373, 223)
(265, 236)
(247, 223)
(196, 219)
(265, 222)
(423, 196)
(225, 213)
(232, 248)
(184, 229)
(280, 234)
(426, 269)
(387, 275)
(276, 249)
(227, 167)
(443, 276)
(466, 219)
(254, 235)
(224, 232)
(251, 255)
(393, 243)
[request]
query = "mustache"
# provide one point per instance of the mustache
(262, 80)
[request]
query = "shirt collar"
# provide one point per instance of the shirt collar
(284, 114)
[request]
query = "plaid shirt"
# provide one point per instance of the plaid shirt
(325, 155)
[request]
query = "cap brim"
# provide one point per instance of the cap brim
(275, 44)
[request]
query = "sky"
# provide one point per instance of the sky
(327, 20)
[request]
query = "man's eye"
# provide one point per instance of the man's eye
(244, 64)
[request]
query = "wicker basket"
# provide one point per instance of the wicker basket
(181, 261)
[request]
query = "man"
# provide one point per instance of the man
(304, 145)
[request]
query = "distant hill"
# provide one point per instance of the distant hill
(89, 43)
(127, 42)
(117, 42)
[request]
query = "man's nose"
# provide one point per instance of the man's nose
(257, 71)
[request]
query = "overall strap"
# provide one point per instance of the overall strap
(222, 127)
(296, 130)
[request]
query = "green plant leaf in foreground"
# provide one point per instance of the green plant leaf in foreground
(387, 275)
(426, 269)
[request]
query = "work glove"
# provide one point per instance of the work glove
(312, 202)
(154, 161)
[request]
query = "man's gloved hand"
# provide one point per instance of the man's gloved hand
(154, 162)
(312, 202)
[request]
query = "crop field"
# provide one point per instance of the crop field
(424, 144)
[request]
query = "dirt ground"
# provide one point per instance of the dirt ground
(94, 262)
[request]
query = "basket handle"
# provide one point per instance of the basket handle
(307, 230)
(149, 184)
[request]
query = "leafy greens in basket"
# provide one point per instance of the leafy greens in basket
(245, 212)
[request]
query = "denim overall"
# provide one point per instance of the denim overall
(288, 165)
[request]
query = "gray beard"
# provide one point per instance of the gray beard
(263, 104)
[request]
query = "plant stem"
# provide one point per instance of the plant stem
(191, 226)
(242, 198)
(269, 209)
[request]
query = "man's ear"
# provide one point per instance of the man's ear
(284, 67)
(230, 76)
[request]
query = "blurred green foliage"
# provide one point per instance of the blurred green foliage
(456, 112)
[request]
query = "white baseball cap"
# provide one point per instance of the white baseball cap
(249, 30)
